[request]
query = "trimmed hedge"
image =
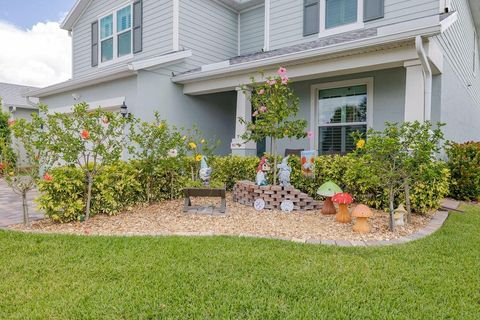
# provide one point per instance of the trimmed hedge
(123, 185)
(464, 164)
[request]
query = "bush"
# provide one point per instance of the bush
(464, 164)
(115, 188)
(231, 169)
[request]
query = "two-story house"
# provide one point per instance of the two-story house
(355, 63)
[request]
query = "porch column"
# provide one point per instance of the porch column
(244, 111)
(414, 92)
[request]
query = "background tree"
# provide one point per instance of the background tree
(89, 139)
(275, 107)
(6, 154)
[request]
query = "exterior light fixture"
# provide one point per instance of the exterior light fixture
(124, 110)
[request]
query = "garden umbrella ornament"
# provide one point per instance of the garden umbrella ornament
(343, 200)
(328, 190)
(362, 213)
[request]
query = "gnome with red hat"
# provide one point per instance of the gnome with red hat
(262, 168)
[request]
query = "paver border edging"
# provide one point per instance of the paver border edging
(437, 221)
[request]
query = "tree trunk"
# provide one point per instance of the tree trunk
(26, 220)
(274, 161)
(407, 201)
(89, 196)
(391, 200)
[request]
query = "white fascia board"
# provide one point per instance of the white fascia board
(448, 21)
(309, 54)
(159, 61)
(93, 79)
(74, 14)
(347, 64)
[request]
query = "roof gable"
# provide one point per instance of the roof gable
(12, 94)
(80, 6)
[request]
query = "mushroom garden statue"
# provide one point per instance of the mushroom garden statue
(263, 167)
(362, 213)
(343, 200)
(205, 172)
(328, 190)
(284, 173)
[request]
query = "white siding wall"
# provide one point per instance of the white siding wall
(457, 44)
(252, 30)
(157, 31)
(210, 30)
(286, 22)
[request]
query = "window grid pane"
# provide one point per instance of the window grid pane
(106, 27)
(340, 12)
(124, 19)
(125, 43)
(107, 50)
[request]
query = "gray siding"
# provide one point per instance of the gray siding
(252, 30)
(210, 30)
(459, 111)
(157, 31)
(457, 44)
(286, 21)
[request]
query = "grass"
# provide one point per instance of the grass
(68, 277)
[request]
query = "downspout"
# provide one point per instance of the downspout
(427, 76)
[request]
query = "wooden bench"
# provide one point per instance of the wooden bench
(204, 193)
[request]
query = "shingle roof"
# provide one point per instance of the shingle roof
(11, 94)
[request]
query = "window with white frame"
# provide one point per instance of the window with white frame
(340, 112)
(333, 16)
(116, 34)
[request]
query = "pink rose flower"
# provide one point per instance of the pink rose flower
(262, 91)
(271, 82)
(285, 80)
(282, 72)
(11, 122)
(262, 109)
(255, 114)
(310, 134)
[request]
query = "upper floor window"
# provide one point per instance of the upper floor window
(325, 17)
(116, 34)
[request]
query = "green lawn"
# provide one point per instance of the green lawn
(67, 277)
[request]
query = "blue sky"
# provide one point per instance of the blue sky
(26, 13)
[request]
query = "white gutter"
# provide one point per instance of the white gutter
(427, 75)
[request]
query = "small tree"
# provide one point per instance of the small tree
(89, 139)
(154, 142)
(397, 153)
(275, 107)
(6, 154)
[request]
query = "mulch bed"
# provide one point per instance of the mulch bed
(167, 218)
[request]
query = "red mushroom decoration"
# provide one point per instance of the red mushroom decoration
(343, 200)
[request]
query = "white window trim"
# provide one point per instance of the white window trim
(476, 59)
(115, 34)
(332, 85)
(324, 32)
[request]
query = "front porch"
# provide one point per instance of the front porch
(339, 95)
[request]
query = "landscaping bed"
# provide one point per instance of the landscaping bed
(167, 218)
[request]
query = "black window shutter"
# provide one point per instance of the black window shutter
(373, 9)
(95, 44)
(311, 17)
(137, 26)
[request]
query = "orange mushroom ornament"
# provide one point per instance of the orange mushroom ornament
(343, 200)
(362, 213)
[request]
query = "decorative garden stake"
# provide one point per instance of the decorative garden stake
(399, 215)
(343, 200)
(328, 190)
(263, 167)
(205, 172)
(362, 213)
(284, 172)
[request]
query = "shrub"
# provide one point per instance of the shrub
(231, 169)
(464, 164)
(63, 199)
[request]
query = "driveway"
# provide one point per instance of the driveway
(11, 206)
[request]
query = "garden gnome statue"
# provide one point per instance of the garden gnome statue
(399, 215)
(263, 167)
(284, 173)
(205, 172)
